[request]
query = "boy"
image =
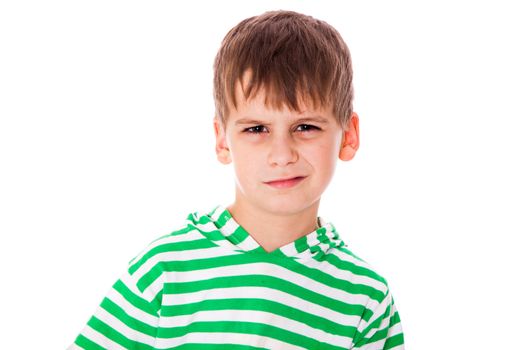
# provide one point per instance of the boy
(265, 272)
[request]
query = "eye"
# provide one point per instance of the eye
(307, 128)
(254, 129)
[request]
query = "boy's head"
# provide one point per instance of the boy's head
(292, 57)
(283, 95)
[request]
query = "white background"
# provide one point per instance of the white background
(106, 143)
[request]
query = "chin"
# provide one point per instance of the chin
(285, 206)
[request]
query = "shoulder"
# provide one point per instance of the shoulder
(380, 324)
(155, 258)
(190, 236)
(359, 272)
(185, 236)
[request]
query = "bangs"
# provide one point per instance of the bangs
(282, 87)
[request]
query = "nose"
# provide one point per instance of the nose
(282, 151)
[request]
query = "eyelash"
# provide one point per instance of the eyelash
(252, 129)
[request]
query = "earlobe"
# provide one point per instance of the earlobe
(350, 140)
(221, 147)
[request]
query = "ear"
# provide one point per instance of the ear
(350, 141)
(221, 146)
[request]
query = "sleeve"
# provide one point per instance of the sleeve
(127, 318)
(383, 330)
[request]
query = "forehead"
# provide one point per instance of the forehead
(263, 100)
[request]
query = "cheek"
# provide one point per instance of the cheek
(245, 165)
(324, 152)
(243, 156)
(323, 158)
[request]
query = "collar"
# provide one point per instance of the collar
(219, 226)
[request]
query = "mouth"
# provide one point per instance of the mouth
(286, 183)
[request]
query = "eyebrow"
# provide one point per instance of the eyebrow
(317, 119)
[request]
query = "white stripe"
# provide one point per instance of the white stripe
(350, 258)
(187, 236)
(131, 310)
(256, 317)
(123, 329)
(379, 345)
(395, 330)
(74, 347)
(131, 283)
(266, 270)
(100, 339)
(207, 227)
(183, 255)
(247, 244)
(290, 250)
(227, 338)
(229, 227)
(228, 230)
(217, 213)
(311, 241)
(261, 293)
(332, 233)
(345, 275)
(399, 347)
(379, 312)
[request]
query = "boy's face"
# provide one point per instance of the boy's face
(283, 159)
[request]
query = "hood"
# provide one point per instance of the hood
(219, 226)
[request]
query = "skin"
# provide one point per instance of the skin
(265, 144)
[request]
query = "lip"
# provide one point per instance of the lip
(286, 183)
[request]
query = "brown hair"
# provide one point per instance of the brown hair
(292, 56)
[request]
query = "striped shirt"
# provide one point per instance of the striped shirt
(210, 285)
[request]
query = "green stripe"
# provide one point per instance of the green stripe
(171, 247)
(325, 278)
(136, 301)
(250, 304)
(192, 346)
(248, 328)
(269, 282)
(214, 235)
(277, 253)
(349, 252)
(380, 334)
(115, 336)
(236, 237)
(394, 319)
(129, 321)
(394, 341)
(87, 344)
(174, 233)
(223, 218)
(301, 244)
(240, 259)
(397, 339)
(355, 269)
(201, 220)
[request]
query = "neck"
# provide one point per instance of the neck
(271, 230)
